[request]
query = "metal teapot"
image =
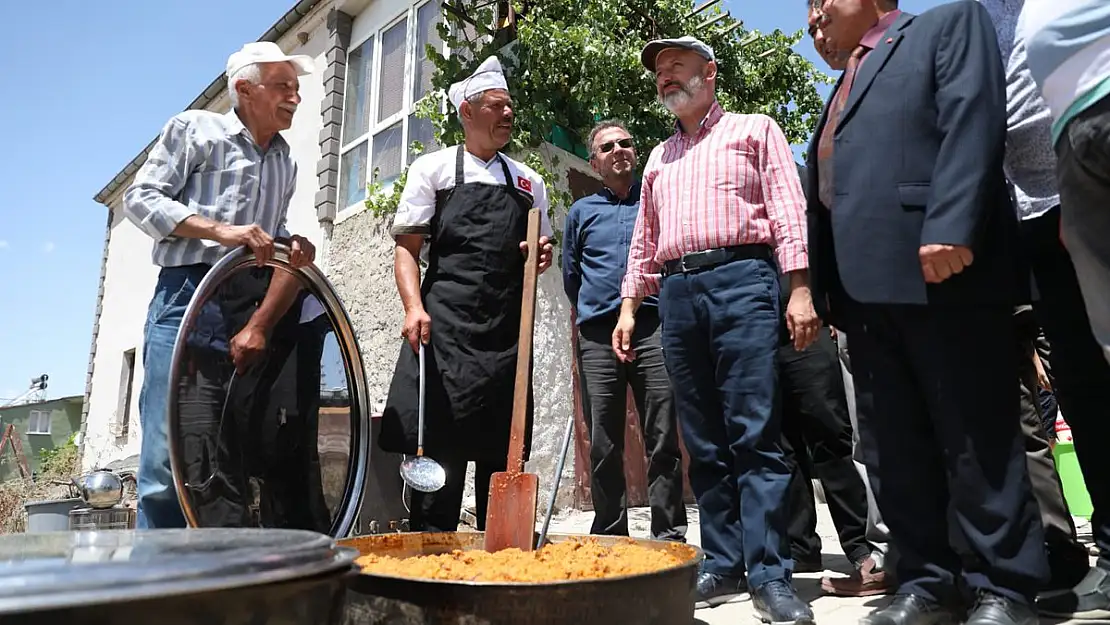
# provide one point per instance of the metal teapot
(100, 489)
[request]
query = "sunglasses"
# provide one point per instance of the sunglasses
(608, 146)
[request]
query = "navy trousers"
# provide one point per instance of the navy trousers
(720, 340)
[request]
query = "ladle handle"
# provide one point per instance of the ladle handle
(420, 408)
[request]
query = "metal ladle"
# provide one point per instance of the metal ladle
(421, 472)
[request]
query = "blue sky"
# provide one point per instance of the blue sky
(85, 92)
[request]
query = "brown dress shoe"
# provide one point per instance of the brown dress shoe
(866, 581)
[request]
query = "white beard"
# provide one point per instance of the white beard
(676, 101)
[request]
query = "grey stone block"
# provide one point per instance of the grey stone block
(328, 133)
(329, 162)
(335, 85)
(334, 71)
(326, 194)
(337, 54)
(332, 116)
(331, 101)
(329, 178)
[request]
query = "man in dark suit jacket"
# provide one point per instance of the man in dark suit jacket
(911, 237)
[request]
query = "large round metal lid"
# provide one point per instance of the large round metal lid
(268, 419)
(64, 569)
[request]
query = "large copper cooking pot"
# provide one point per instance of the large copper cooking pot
(664, 597)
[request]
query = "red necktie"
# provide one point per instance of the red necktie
(825, 143)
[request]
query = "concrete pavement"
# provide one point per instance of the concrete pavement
(828, 610)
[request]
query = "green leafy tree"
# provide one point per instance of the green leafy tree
(570, 63)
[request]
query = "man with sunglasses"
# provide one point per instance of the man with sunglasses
(595, 250)
(721, 214)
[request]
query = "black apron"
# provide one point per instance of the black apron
(472, 291)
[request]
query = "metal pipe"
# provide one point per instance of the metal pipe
(705, 5)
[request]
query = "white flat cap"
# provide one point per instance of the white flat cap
(487, 76)
(267, 52)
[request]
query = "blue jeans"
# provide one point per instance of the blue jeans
(157, 498)
(720, 340)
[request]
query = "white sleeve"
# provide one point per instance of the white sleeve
(541, 201)
(418, 200)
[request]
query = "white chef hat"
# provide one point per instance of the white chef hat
(487, 76)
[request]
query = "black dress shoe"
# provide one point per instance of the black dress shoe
(1068, 564)
(713, 590)
(995, 610)
(776, 602)
(1090, 600)
(911, 610)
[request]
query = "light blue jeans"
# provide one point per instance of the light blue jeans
(157, 498)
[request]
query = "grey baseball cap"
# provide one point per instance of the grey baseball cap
(653, 48)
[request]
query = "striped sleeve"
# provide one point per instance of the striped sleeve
(783, 198)
(641, 278)
(151, 201)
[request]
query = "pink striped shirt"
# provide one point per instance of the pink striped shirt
(732, 183)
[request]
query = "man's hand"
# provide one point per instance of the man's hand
(247, 346)
(546, 252)
(302, 251)
(940, 262)
(250, 235)
(801, 318)
(1042, 375)
(622, 337)
(417, 328)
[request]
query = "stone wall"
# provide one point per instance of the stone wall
(360, 265)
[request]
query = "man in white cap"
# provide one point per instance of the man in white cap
(466, 207)
(212, 182)
(721, 215)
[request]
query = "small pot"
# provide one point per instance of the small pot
(174, 577)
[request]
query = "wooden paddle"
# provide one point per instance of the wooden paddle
(511, 515)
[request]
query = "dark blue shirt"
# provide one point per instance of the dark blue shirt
(596, 239)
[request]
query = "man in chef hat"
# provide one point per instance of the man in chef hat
(469, 203)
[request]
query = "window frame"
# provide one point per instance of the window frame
(39, 414)
(121, 419)
(408, 103)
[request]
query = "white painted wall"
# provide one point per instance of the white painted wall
(128, 284)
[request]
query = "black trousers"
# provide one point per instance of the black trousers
(942, 383)
(1081, 375)
(818, 444)
(604, 381)
(440, 511)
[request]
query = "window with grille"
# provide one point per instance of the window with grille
(388, 72)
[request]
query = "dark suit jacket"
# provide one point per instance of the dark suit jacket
(918, 160)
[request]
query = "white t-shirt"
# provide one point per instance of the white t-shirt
(436, 171)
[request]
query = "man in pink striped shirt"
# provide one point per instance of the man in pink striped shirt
(722, 211)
